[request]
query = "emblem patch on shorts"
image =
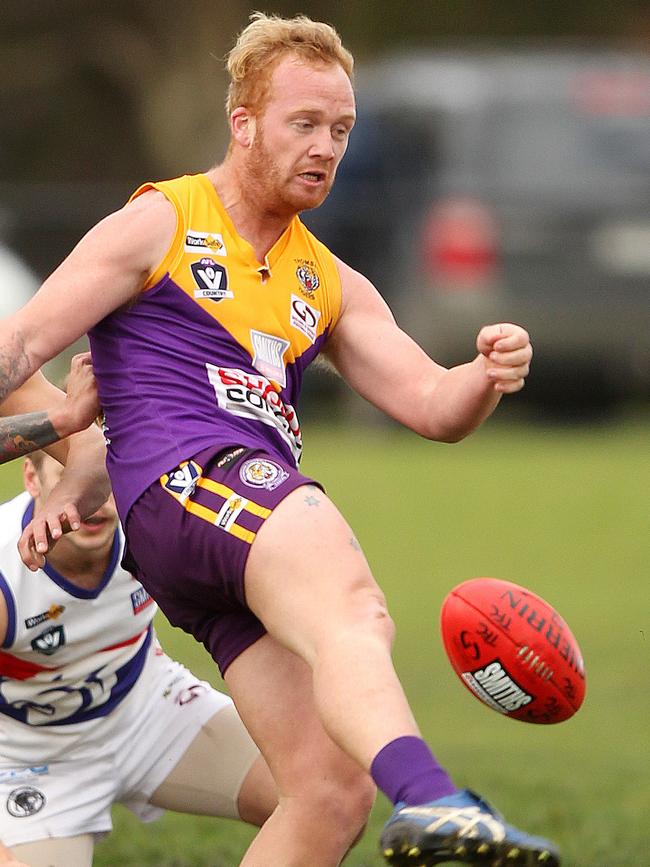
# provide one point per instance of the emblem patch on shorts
(182, 481)
(25, 801)
(260, 473)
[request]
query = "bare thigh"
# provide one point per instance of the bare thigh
(57, 852)
(306, 575)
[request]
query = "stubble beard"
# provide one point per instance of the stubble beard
(268, 185)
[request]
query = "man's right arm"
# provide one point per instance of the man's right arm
(106, 270)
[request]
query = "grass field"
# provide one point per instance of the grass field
(562, 510)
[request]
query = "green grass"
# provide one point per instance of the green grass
(562, 510)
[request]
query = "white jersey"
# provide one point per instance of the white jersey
(70, 655)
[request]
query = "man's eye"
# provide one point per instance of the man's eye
(305, 125)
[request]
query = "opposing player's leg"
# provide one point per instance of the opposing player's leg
(324, 797)
(57, 852)
(220, 774)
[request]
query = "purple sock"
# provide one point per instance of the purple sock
(406, 770)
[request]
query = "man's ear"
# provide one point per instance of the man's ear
(30, 479)
(242, 126)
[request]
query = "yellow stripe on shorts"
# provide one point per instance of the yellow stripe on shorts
(223, 491)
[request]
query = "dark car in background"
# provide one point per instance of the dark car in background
(487, 185)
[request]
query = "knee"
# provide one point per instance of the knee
(343, 805)
(370, 613)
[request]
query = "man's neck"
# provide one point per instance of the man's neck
(84, 570)
(256, 223)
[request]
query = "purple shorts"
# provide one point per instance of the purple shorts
(188, 538)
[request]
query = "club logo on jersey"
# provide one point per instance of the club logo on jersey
(260, 473)
(211, 279)
(140, 599)
(25, 801)
(268, 357)
(307, 277)
(182, 481)
(52, 613)
(49, 641)
(304, 317)
(230, 510)
(251, 396)
(201, 242)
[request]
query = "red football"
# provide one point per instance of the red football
(513, 651)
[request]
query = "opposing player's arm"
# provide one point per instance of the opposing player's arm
(38, 415)
(106, 270)
(383, 364)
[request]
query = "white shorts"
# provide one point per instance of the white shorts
(63, 782)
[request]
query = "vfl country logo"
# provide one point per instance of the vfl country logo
(307, 277)
(494, 686)
(260, 473)
(49, 641)
(24, 802)
(211, 280)
(268, 355)
(181, 482)
(200, 242)
(52, 613)
(304, 317)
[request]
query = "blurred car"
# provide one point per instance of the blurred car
(18, 281)
(482, 186)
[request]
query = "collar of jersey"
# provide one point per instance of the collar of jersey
(276, 250)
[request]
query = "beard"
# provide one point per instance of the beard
(269, 184)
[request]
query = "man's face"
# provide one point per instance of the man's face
(95, 533)
(301, 135)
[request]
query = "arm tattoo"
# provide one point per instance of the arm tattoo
(21, 434)
(14, 366)
(312, 501)
(354, 543)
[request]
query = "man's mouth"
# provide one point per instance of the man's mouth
(313, 177)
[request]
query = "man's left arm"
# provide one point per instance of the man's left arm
(387, 367)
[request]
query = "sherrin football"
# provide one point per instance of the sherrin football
(513, 651)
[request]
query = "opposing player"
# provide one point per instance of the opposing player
(92, 711)
(207, 298)
(40, 416)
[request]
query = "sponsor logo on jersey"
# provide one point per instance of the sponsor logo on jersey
(230, 456)
(261, 473)
(494, 686)
(202, 242)
(307, 277)
(25, 801)
(22, 775)
(52, 613)
(211, 279)
(182, 481)
(49, 641)
(304, 317)
(230, 510)
(252, 396)
(268, 357)
(140, 599)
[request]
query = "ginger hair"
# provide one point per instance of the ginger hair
(266, 40)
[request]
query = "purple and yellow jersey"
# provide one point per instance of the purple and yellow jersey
(213, 351)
